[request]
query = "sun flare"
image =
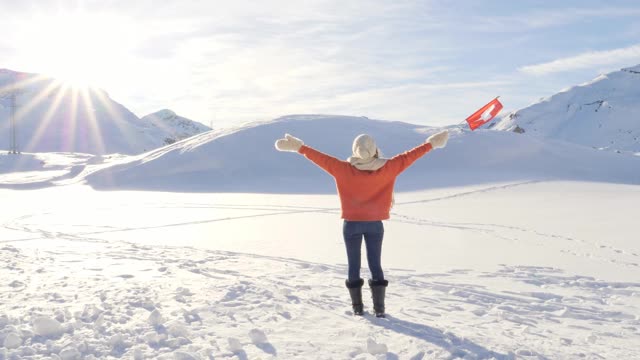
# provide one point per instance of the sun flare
(79, 49)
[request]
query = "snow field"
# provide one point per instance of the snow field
(118, 281)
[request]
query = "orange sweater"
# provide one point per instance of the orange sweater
(365, 195)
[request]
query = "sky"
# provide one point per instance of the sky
(225, 63)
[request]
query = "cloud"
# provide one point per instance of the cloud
(559, 17)
(247, 60)
(525, 19)
(586, 60)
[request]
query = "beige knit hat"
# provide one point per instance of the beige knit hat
(364, 147)
(366, 154)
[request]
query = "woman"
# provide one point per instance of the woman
(365, 186)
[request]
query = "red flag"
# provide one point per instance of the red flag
(484, 114)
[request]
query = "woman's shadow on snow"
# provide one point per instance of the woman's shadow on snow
(456, 346)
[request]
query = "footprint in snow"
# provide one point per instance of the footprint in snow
(374, 348)
(257, 336)
(259, 339)
(234, 345)
(16, 284)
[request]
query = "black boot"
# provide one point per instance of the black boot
(355, 291)
(378, 288)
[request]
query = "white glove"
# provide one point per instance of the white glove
(439, 140)
(289, 143)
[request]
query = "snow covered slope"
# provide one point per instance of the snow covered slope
(53, 117)
(244, 159)
(176, 127)
(604, 113)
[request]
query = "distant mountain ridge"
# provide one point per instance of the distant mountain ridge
(176, 127)
(51, 116)
(603, 113)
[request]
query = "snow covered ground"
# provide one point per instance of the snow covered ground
(500, 246)
(525, 270)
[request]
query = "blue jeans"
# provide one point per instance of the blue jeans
(373, 232)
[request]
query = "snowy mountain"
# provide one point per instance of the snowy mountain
(602, 113)
(54, 117)
(244, 159)
(177, 127)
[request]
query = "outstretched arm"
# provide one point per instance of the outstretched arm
(324, 161)
(401, 162)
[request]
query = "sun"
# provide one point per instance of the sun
(83, 52)
(78, 48)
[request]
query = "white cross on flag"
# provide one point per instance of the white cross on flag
(484, 114)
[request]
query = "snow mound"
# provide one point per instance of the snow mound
(12, 340)
(47, 327)
(30, 171)
(244, 159)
